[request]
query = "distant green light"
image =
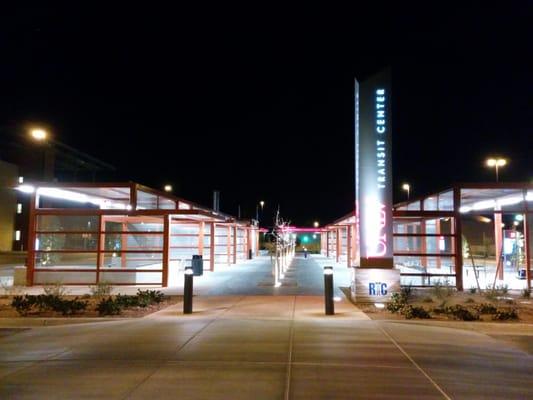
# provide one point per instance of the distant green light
(305, 239)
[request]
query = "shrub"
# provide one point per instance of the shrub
(526, 293)
(108, 306)
(126, 301)
(23, 304)
(427, 299)
(406, 292)
(461, 313)
(410, 312)
(47, 302)
(491, 294)
(70, 307)
(151, 296)
(486, 308)
(396, 303)
(442, 290)
(472, 290)
(503, 289)
(505, 315)
(55, 289)
(101, 289)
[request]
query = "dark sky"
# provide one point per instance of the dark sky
(258, 102)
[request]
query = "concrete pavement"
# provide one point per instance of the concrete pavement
(259, 347)
(260, 342)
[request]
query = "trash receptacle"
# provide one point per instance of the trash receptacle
(197, 265)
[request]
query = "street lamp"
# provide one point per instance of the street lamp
(168, 188)
(496, 163)
(39, 134)
(262, 204)
(316, 224)
(407, 188)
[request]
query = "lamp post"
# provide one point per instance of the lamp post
(41, 136)
(316, 224)
(407, 188)
(496, 163)
(168, 188)
(262, 204)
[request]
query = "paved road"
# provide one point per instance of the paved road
(260, 347)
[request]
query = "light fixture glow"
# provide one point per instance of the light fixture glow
(38, 134)
(316, 224)
(26, 188)
(379, 305)
(168, 188)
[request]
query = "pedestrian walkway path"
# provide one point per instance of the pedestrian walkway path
(259, 347)
(255, 277)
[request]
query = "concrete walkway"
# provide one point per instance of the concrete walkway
(259, 347)
(260, 342)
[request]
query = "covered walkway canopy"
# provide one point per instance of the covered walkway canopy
(471, 230)
(126, 233)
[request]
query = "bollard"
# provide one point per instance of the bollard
(328, 290)
(187, 291)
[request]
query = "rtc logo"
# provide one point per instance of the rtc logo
(377, 289)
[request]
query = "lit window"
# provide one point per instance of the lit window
(19, 208)
(17, 236)
(21, 179)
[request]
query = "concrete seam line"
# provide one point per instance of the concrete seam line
(415, 364)
(160, 365)
(289, 361)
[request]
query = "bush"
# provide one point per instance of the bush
(150, 296)
(55, 289)
(70, 307)
(442, 290)
(101, 289)
(461, 313)
(23, 304)
(472, 290)
(406, 292)
(486, 308)
(526, 293)
(108, 306)
(427, 299)
(491, 294)
(505, 315)
(503, 289)
(47, 302)
(126, 301)
(410, 312)
(396, 303)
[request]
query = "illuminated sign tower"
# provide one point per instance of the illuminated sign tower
(373, 189)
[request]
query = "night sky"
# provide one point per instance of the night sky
(258, 102)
